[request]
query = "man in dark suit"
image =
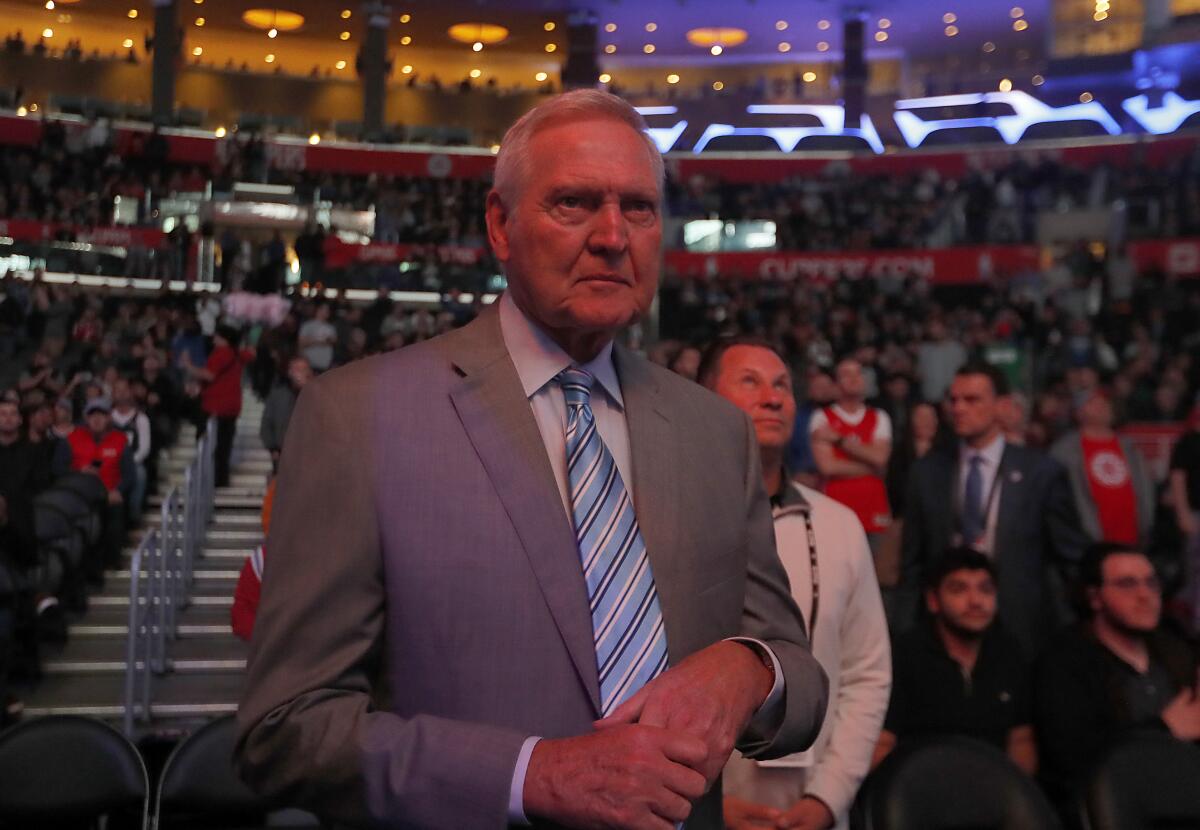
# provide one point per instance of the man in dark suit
(1012, 503)
(558, 556)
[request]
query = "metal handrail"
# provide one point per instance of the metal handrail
(167, 555)
(144, 621)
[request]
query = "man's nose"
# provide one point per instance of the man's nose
(610, 235)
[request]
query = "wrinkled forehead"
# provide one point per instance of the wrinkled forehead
(599, 151)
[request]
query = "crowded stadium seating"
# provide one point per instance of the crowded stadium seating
(130, 252)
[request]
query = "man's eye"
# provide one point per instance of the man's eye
(570, 202)
(641, 206)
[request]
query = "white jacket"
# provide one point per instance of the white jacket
(850, 641)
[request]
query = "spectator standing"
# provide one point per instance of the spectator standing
(221, 397)
(1012, 503)
(1184, 495)
(822, 545)
(317, 338)
(131, 420)
(22, 475)
(938, 358)
(960, 672)
(851, 443)
(278, 409)
(1114, 494)
(1113, 673)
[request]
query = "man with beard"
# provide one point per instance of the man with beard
(960, 672)
(1115, 672)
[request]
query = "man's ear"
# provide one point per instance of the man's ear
(496, 216)
(1092, 596)
(931, 602)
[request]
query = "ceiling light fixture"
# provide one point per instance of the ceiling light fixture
(131, 14)
(605, 77)
(200, 21)
(672, 78)
(47, 33)
(346, 14)
(718, 86)
(884, 23)
(610, 49)
(197, 51)
(270, 58)
(475, 73)
(404, 41)
(1020, 25)
(1005, 85)
(610, 27)
(781, 25)
(949, 17)
(822, 46)
(550, 47)
(477, 46)
(651, 27)
(272, 33)
(648, 48)
(823, 25)
(881, 36)
(339, 66)
(1016, 12)
(49, 5)
(315, 138)
(406, 69)
(539, 77)
(549, 26)
(344, 36)
(785, 47)
(127, 43)
(219, 132)
(951, 31)
(280, 20)
(809, 77)
(716, 50)
(404, 18)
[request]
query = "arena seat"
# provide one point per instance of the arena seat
(951, 783)
(199, 788)
(1121, 793)
(66, 768)
(91, 489)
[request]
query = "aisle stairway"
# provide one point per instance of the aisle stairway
(208, 662)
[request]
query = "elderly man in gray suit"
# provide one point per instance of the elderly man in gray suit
(517, 574)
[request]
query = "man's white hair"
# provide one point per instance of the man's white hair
(578, 105)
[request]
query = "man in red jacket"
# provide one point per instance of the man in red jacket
(100, 450)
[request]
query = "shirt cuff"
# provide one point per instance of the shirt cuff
(769, 707)
(516, 791)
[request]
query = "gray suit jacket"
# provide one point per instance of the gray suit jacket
(1069, 452)
(419, 544)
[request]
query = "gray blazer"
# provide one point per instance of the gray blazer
(1069, 453)
(423, 606)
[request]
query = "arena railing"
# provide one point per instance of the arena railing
(161, 578)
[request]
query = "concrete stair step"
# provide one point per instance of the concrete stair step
(174, 695)
(84, 656)
(236, 479)
(111, 620)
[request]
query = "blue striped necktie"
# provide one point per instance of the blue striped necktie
(627, 625)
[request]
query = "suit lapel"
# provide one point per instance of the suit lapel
(1008, 479)
(500, 425)
(654, 450)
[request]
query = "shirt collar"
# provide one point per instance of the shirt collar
(538, 359)
(991, 454)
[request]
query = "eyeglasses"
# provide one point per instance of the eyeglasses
(1130, 583)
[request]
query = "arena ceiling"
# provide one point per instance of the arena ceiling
(644, 32)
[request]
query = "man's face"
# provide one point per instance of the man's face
(122, 394)
(581, 245)
(972, 405)
(10, 418)
(1129, 596)
(965, 601)
(1096, 412)
(850, 380)
(98, 421)
(757, 382)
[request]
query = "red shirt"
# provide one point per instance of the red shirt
(222, 395)
(1111, 485)
(865, 495)
(86, 450)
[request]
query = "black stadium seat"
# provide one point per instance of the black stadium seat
(952, 783)
(199, 788)
(66, 768)
(1150, 781)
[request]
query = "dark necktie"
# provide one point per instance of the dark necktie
(973, 520)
